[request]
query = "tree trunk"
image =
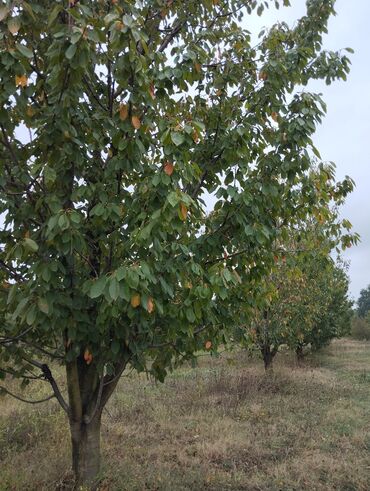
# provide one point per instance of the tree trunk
(268, 357)
(88, 392)
(86, 451)
(299, 354)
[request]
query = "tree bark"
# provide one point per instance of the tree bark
(268, 357)
(299, 354)
(88, 392)
(86, 451)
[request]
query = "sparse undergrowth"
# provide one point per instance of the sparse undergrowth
(221, 426)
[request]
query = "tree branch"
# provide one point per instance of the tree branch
(7, 340)
(170, 36)
(49, 377)
(25, 400)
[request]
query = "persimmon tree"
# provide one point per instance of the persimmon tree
(303, 302)
(332, 318)
(117, 120)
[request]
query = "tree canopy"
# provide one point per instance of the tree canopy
(118, 121)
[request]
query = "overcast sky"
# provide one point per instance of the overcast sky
(343, 136)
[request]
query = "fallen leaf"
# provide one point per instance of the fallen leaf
(208, 345)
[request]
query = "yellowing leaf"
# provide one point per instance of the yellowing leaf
(262, 75)
(274, 116)
(183, 211)
(123, 112)
(168, 168)
(30, 111)
(150, 305)
(152, 91)
(198, 67)
(21, 80)
(88, 357)
(135, 300)
(14, 25)
(4, 11)
(136, 123)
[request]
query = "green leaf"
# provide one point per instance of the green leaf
(132, 278)
(31, 315)
(115, 346)
(120, 273)
(97, 287)
(113, 288)
(43, 305)
(124, 291)
(54, 14)
(177, 138)
(24, 50)
(71, 51)
(76, 36)
(11, 294)
(27, 7)
(30, 245)
(189, 312)
(173, 198)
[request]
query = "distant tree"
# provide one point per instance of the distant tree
(303, 302)
(333, 317)
(363, 302)
(136, 111)
(360, 327)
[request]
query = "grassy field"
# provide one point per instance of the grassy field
(220, 426)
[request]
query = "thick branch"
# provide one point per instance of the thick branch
(111, 382)
(49, 377)
(167, 40)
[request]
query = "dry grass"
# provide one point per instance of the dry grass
(221, 426)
